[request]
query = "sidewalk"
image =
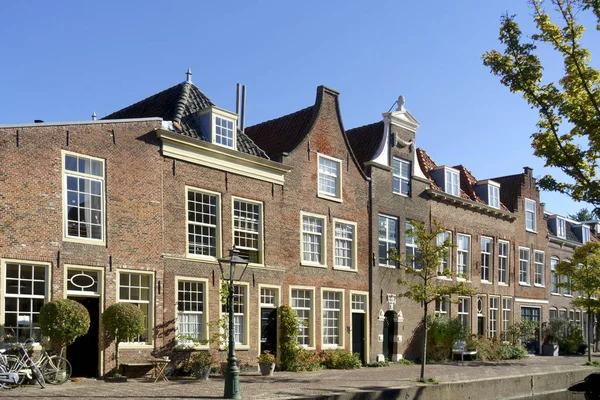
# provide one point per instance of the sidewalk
(288, 385)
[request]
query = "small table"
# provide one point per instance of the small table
(158, 368)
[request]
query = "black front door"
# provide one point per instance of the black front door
(268, 330)
(358, 335)
(532, 314)
(388, 335)
(83, 352)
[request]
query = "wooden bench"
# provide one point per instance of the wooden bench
(461, 348)
(149, 365)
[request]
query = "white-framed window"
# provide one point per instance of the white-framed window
(344, 244)
(538, 270)
(561, 228)
(494, 196)
(493, 316)
(554, 277)
(85, 281)
(567, 287)
(26, 289)
(388, 239)
(524, 257)
(84, 194)
(224, 132)
(442, 238)
(530, 223)
(191, 309)
(486, 258)
(451, 182)
(302, 304)
(585, 234)
(332, 317)
(442, 305)
(247, 229)
(503, 261)
(135, 288)
(506, 316)
(359, 303)
(553, 313)
(463, 252)
(412, 252)
(313, 239)
(240, 313)
(401, 176)
(203, 223)
(464, 311)
(330, 177)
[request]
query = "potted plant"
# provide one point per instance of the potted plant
(553, 332)
(63, 321)
(120, 322)
(200, 363)
(266, 363)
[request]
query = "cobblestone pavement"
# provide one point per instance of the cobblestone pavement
(288, 385)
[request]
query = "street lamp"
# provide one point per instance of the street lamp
(232, 269)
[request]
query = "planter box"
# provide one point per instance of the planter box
(266, 369)
(202, 373)
(550, 350)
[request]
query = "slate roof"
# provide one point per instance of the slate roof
(365, 140)
(467, 180)
(570, 235)
(179, 104)
(510, 189)
(283, 134)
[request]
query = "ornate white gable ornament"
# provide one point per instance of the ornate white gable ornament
(401, 102)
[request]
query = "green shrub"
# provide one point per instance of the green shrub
(443, 332)
(121, 322)
(404, 361)
(573, 341)
(513, 351)
(341, 359)
(63, 321)
(379, 364)
(308, 361)
(288, 333)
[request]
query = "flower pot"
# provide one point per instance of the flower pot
(202, 372)
(550, 350)
(266, 369)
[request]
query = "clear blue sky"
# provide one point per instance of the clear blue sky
(62, 60)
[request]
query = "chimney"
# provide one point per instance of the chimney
(94, 116)
(528, 171)
(543, 208)
(243, 111)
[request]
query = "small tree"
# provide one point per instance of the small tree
(63, 321)
(583, 271)
(122, 321)
(420, 281)
(288, 338)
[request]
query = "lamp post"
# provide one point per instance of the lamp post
(232, 269)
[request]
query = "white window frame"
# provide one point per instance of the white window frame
(507, 316)
(323, 240)
(452, 185)
(463, 270)
(340, 319)
(561, 228)
(220, 138)
(310, 329)
(539, 268)
(150, 302)
(274, 304)
(260, 233)
(530, 215)
(567, 288)
(353, 245)
(493, 196)
(585, 234)
(338, 179)
(487, 270)
(524, 266)
(388, 242)
(245, 344)
(410, 246)
(85, 270)
(494, 310)
(554, 277)
(216, 226)
(445, 261)
(46, 297)
(203, 315)
(503, 262)
(91, 178)
(464, 311)
(442, 306)
(398, 178)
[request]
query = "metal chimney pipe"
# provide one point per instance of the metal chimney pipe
(237, 99)
(243, 123)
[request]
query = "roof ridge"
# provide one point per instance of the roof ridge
(364, 126)
(181, 102)
(132, 106)
(283, 116)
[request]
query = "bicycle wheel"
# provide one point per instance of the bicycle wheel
(38, 375)
(56, 370)
(14, 364)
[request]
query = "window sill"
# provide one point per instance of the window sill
(136, 346)
(327, 197)
(502, 284)
(461, 279)
(555, 294)
(568, 295)
(387, 266)
(402, 194)
(538, 285)
(345, 269)
(444, 278)
(95, 242)
(524, 284)
(305, 264)
(530, 230)
(212, 260)
(486, 282)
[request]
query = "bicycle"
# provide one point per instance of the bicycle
(23, 365)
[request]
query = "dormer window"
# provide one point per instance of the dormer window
(561, 228)
(493, 196)
(451, 182)
(224, 132)
(489, 191)
(585, 234)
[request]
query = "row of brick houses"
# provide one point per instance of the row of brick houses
(138, 206)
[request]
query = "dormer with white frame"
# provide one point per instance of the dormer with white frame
(489, 191)
(582, 231)
(558, 225)
(448, 179)
(220, 126)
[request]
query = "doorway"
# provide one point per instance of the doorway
(389, 330)
(358, 335)
(268, 330)
(532, 314)
(83, 352)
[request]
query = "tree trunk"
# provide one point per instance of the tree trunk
(424, 353)
(117, 356)
(589, 342)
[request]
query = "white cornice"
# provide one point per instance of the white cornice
(470, 204)
(403, 119)
(210, 155)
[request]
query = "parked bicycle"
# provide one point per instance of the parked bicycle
(22, 364)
